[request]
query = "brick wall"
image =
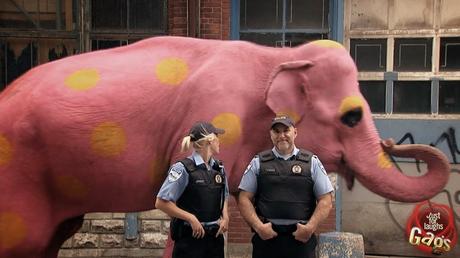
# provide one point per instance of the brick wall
(214, 18)
(177, 18)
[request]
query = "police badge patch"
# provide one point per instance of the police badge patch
(174, 175)
(296, 169)
(218, 179)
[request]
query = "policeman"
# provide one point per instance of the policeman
(284, 195)
(195, 196)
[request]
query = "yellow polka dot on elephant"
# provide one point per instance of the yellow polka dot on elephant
(350, 103)
(83, 79)
(171, 71)
(71, 187)
(383, 160)
(5, 151)
(12, 230)
(231, 123)
(327, 43)
(108, 139)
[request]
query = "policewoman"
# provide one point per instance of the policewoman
(195, 195)
(285, 195)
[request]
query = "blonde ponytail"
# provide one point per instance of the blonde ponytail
(186, 142)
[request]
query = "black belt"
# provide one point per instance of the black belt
(284, 229)
(210, 230)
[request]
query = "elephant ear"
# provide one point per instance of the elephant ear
(285, 93)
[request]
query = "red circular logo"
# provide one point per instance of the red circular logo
(431, 228)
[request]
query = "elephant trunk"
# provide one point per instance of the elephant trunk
(381, 176)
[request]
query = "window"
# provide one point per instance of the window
(38, 14)
(369, 54)
(408, 62)
(128, 15)
(450, 54)
(105, 44)
(449, 97)
(34, 32)
(412, 97)
(283, 22)
(374, 92)
(18, 55)
(117, 23)
(413, 54)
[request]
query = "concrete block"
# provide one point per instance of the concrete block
(85, 240)
(151, 225)
(153, 214)
(111, 240)
(153, 240)
(107, 226)
(340, 245)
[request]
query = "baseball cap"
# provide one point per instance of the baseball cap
(282, 119)
(201, 129)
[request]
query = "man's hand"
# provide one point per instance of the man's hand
(197, 228)
(265, 231)
(303, 232)
(223, 226)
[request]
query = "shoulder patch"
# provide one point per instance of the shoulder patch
(320, 165)
(174, 175)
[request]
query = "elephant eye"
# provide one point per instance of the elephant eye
(352, 117)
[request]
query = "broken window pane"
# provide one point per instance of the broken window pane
(38, 14)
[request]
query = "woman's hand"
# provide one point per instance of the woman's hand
(197, 228)
(223, 225)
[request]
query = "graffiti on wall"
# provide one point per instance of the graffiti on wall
(418, 228)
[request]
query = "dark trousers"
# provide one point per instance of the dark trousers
(283, 246)
(209, 246)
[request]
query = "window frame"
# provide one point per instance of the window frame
(325, 33)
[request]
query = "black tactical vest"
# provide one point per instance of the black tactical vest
(285, 187)
(204, 194)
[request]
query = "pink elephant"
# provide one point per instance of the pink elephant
(96, 132)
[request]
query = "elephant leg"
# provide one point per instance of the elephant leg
(26, 226)
(64, 231)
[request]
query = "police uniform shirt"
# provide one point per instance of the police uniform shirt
(177, 179)
(322, 184)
